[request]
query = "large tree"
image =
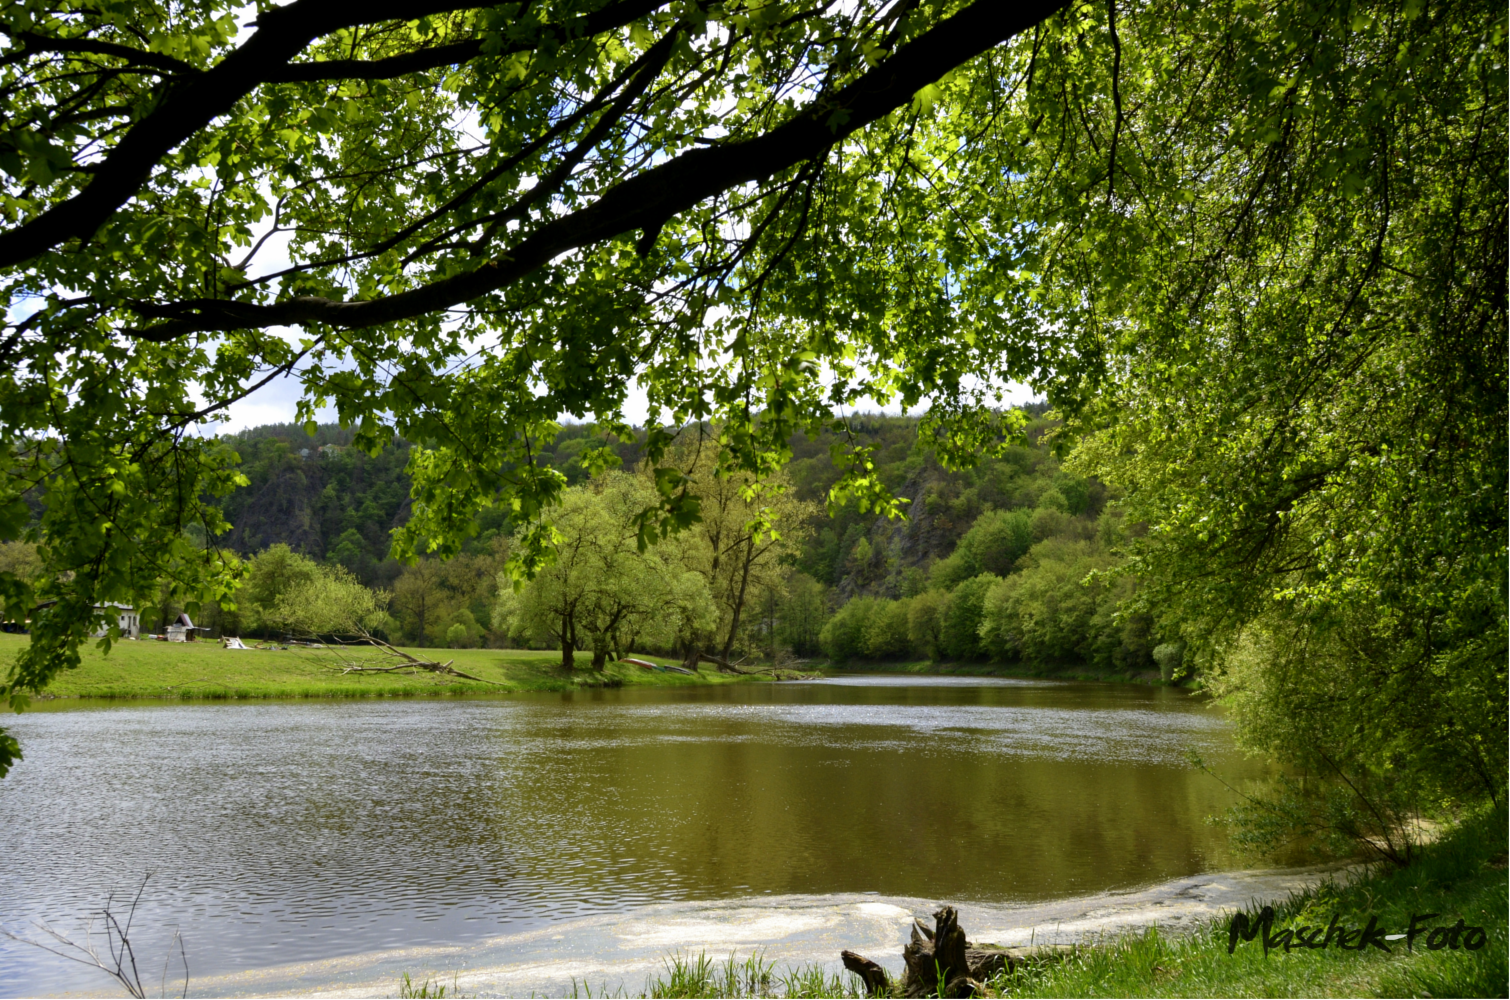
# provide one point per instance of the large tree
(746, 530)
(1295, 268)
(602, 591)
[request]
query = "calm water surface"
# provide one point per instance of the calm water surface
(284, 832)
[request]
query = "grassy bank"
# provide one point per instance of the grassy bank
(203, 670)
(1040, 672)
(1462, 876)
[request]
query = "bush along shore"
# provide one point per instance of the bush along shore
(1436, 928)
(206, 670)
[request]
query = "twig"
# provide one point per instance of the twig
(117, 941)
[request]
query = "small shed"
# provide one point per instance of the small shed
(182, 629)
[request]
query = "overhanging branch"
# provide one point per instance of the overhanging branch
(282, 33)
(34, 42)
(646, 201)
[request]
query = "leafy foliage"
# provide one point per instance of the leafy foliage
(10, 752)
(565, 173)
(602, 592)
(1308, 398)
(1254, 253)
(331, 602)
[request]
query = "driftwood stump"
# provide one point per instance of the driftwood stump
(877, 983)
(940, 962)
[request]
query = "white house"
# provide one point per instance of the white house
(128, 618)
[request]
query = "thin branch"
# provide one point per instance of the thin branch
(1111, 161)
(35, 42)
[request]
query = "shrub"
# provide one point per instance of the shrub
(843, 638)
(960, 636)
(886, 633)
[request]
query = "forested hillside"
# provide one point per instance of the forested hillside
(992, 562)
(331, 502)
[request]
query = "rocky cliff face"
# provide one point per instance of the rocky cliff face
(326, 502)
(900, 552)
(282, 510)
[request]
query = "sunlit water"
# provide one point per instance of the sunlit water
(288, 832)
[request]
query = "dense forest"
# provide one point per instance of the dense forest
(1010, 561)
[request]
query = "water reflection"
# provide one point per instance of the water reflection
(291, 831)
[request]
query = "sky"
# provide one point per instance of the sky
(275, 402)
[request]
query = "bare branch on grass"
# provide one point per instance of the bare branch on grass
(388, 653)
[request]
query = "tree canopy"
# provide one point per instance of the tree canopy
(601, 592)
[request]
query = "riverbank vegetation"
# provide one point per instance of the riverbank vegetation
(1462, 877)
(783, 577)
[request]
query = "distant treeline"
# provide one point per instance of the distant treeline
(1013, 560)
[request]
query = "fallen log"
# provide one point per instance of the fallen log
(734, 668)
(647, 665)
(411, 663)
(413, 667)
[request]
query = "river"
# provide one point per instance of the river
(283, 835)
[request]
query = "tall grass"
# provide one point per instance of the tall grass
(427, 990)
(754, 977)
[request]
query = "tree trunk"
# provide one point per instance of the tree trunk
(739, 599)
(941, 963)
(569, 639)
(599, 655)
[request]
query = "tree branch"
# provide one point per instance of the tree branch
(1111, 160)
(35, 42)
(282, 33)
(646, 201)
(615, 15)
(378, 69)
(638, 75)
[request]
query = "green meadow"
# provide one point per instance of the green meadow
(204, 670)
